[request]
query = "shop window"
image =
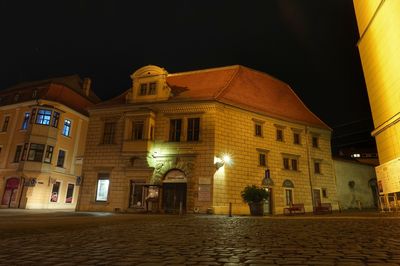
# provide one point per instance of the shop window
(137, 195)
(193, 130)
(26, 121)
(103, 183)
(55, 192)
(137, 128)
(17, 155)
(70, 193)
(49, 154)
(67, 128)
(109, 132)
(36, 152)
(61, 158)
(43, 117)
(5, 124)
(56, 118)
(175, 127)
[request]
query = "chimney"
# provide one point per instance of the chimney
(86, 86)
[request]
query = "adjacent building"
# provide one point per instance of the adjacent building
(379, 46)
(192, 141)
(43, 128)
(356, 184)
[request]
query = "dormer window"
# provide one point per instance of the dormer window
(152, 88)
(148, 89)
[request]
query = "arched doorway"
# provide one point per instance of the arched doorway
(10, 193)
(174, 190)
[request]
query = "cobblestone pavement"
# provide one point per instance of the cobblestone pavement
(128, 239)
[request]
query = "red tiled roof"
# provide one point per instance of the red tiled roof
(239, 86)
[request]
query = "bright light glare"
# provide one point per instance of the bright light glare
(226, 159)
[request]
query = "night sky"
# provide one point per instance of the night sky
(309, 44)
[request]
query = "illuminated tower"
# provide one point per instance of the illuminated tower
(379, 46)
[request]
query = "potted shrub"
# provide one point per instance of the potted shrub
(255, 196)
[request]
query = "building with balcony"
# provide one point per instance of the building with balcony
(43, 129)
(378, 24)
(192, 141)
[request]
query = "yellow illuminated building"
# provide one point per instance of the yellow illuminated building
(43, 129)
(192, 141)
(379, 46)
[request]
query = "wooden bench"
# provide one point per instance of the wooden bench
(323, 208)
(297, 208)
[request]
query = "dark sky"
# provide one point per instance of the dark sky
(309, 44)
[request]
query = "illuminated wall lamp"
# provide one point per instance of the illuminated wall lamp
(219, 164)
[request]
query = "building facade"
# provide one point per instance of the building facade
(42, 140)
(378, 24)
(192, 141)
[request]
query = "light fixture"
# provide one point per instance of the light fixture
(218, 162)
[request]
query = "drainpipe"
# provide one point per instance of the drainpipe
(309, 166)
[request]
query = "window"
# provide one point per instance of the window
(317, 168)
(175, 130)
(56, 118)
(258, 130)
(193, 130)
(288, 196)
(108, 135)
(49, 154)
(138, 198)
(137, 129)
(324, 193)
(262, 159)
(290, 164)
(286, 163)
(54, 192)
(61, 158)
(143, 89)
(152, 88)
(315, 142)
(279, 135)
(296, 138)
(24, 151)
(5, 123)
(16, 97)
(26, 121)
(17, 155)
(103, 183)
(36, 152)
(43, 117)
(70, 193)
(294, 164)
(67, 128)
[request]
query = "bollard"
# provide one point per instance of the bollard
(230, 209)
(180, 208)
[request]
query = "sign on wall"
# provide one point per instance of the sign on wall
(388, 176)
(204, 193)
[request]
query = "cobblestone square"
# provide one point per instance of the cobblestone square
(67, 238)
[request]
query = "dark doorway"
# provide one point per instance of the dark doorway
(173, 195)
(268, 202)
(317, 197)
(10, 193)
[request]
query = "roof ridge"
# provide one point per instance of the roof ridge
(203, 70)
(223, 89)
